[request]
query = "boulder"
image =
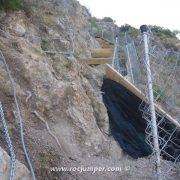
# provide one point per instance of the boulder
(21, 172)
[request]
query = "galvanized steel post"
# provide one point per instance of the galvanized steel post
(144, 31)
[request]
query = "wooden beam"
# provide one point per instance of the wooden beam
(96, 61)
(102, 53)
(104, 43)
(112, 74)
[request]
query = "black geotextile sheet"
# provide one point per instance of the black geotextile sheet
(128, 127)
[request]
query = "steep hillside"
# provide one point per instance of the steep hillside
(65, 121)
(52, 86)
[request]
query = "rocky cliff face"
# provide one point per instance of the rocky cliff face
(63, 26)
(58, 94)
(105, 28)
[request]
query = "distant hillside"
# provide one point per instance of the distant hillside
(106, 27)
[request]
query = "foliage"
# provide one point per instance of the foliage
(162, 32)
(10, 4)
(108, 19)
(94, 23)
(95, 26)
(133, 32)
(125, 27)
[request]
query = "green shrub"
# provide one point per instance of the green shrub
(94, 23)
(95, 26)
(10, 4)
(133, 32)
(162, 32)
(108, 19)
(125, 27)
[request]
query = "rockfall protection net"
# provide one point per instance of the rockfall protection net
(128, 125)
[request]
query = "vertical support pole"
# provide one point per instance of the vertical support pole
(144, 31)
(102, 31)
(129, 60)
(113, 33)
(114, 54)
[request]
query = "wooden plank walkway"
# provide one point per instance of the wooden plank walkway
(98, 61)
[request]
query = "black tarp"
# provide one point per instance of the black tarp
(127, 125)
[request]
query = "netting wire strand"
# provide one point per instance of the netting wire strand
(166, 138)
(9, 143)
(152, 106)
(164, 64)
(19, 117)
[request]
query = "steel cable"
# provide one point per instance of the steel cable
(19, 116)
(9, 143)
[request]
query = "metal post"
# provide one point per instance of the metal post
(113, 33)
(129, 60)
(144, 31)
(114, 55)
(102, 31)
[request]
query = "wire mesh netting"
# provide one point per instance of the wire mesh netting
(165, 66)
(118, 61)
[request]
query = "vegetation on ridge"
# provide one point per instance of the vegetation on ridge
(160, 31)
(10, 4)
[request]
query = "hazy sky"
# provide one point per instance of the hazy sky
(164, 13)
